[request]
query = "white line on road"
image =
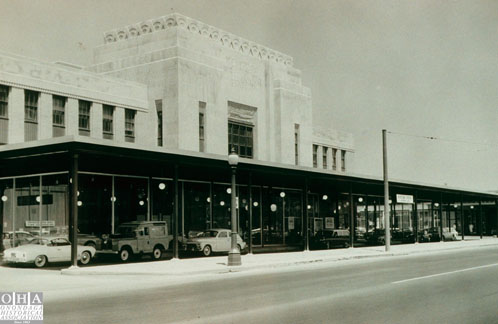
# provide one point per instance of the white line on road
(446, 273)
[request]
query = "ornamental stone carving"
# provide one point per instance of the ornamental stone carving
(226, 39)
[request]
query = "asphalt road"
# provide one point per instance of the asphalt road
(456, 287)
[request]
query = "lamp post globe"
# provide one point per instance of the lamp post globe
(234, 254)
(233, 158)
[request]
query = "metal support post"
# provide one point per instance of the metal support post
(73, 228)
(175, 215)
(234, 254)
(386, 193)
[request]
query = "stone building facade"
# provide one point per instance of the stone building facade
(176, 83)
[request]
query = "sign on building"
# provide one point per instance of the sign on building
(404, 199)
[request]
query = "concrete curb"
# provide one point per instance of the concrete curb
(213, 269)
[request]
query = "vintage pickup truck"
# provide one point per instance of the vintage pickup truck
(141, 237)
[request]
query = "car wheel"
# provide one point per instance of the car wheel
(40, 261)
(125, 255)
(206, 250)
(85, 257)
(157, 253)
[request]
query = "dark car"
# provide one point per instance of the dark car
(376, 236)
(329, 239)
(429, 235)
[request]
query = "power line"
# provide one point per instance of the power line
(434, 138)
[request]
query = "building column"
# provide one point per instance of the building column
(119, 124)
(45, 123)
(319, 157)
(72, 116)
(96, 121)
(73, 227)
(145, 134)
(16, 116)
(329, 158)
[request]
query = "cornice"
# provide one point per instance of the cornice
(220, 36)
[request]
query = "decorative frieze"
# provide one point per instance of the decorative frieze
(222, 37)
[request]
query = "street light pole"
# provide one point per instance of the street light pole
(387, 226)
(234, 254)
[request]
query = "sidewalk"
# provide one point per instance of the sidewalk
(213, 265)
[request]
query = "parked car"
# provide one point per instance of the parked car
(429, 235)
(21, 238)
(141, 237)
(90, 240)
(213, 240)
(375, 237)
(450, 234)
(42, 250)
(328, 239)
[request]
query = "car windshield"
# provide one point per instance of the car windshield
(38, 241)
(127, 231)
(208, 234)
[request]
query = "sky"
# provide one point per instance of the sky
(425, 70)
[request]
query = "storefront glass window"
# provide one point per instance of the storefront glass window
(403, 227)
(27, 206)
(243, 212)
(221, 206)
(471, 217)
(6, 217)
(256, 216)
(196, 205)
(163, 199)
(94, 204)
(130, 200)
(55, 208)
(292, 216)
(360, 219)
(489, 217)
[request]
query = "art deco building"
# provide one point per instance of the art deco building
(146, 131)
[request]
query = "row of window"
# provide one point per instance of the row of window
(325, 157)
(240, 134)
(31, 102)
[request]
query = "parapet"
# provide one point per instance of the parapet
(224, 38)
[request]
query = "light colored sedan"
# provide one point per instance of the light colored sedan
(213, 240)
(40, 251)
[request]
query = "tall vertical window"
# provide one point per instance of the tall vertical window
(4, 101)
(107, 118)
(31, 115)
(240, 138)
(58, 118)
(130, 125)
(324, 155)
(4, 114)
(84, 117)
(296, 144)
(31, 106)
(159, 110)
(334, 159)
(202, 116)
(315, 156)
(343, 160)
